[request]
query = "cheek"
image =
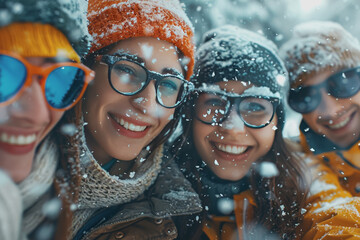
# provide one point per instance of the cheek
(355, 100)
(165, 117)
(265, 138)
(56, 116)
(310, 119)
(200, 133)
(98, 96)
(100, 85)
(164, 114)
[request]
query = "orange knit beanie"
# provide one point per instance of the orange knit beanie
(113, 20)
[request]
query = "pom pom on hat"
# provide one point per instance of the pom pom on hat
(318, 46)
(112, 21)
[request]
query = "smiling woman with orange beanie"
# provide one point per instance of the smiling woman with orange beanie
(127, 184)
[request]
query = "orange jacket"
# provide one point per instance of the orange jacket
(228, 227)
(333, 208)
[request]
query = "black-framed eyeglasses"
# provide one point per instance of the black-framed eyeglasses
(213, 107)
(344, 84)
(129, 77)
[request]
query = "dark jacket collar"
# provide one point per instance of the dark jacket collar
(170, 196)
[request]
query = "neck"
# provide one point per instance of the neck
(122, 168)
(119, 168)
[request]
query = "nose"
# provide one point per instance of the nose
(233, 123)
(31, 106)
(329, 106)
(145, 101)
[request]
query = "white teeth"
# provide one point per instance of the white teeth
(129, 126)
(340, 125)
(231, 149)
(17, 139)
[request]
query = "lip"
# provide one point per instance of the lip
(126, 132)
(231, 157)
(344, 128)
(16, 149)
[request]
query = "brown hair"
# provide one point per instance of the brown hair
(279, 199)
(70, 155)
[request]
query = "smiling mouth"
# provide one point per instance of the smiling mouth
(230, 149)
(17, 139)
(340, 124)
(127, 125)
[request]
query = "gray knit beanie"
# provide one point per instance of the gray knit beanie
(68, 16)
(317, 46)
(233, 53)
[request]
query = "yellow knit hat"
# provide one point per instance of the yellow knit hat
(36, 40)
(112, 21)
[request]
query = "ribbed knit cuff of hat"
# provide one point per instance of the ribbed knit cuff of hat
(36, 40)
(112, 21)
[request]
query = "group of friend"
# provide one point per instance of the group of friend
(113, 127)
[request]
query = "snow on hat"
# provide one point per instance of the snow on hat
(233, 53)
(112, 21)
(318, 46)
(54, 22)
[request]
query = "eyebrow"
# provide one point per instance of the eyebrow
(133, 57)
(172, 71)
(57, 60)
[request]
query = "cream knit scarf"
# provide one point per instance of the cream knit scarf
(99, 189)
(34, 188)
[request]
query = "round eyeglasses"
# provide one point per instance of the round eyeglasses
(129, 77)
(215, 107)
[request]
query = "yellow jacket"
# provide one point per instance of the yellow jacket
(333, 208)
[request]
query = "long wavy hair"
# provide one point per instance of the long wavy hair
(279, 199)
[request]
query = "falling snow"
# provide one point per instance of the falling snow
(268, 170)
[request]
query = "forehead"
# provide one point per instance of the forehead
(41, 61)
(154, 53)
(144, 47)
(234, 86)
(317, 78)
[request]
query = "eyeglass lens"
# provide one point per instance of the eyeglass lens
(129, 78)
(340, 85)
(12, 77)
(63, 85)
(254, 111)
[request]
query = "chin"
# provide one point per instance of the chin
(230, 176)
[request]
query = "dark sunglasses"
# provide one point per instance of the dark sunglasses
(63, 83)
(214, 108)
(344, 84)
(129, 77)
